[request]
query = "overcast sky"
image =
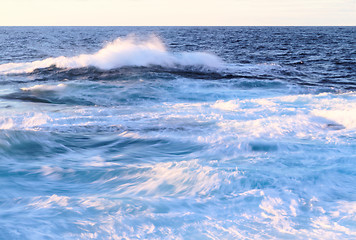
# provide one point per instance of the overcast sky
(177, 12)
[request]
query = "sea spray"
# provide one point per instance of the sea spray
(122, 52)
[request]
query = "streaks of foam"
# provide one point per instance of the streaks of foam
(186, 178)
(39, 88)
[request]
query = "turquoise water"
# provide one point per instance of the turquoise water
(177, 133)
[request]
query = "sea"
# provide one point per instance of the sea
(177, 133)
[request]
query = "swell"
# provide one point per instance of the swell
(129, 58)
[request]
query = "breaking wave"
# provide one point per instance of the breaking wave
(122, 52)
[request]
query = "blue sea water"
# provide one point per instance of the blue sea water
(177, 133)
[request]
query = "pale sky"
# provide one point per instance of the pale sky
(177, 12)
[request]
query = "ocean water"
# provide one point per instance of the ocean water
(177, 133)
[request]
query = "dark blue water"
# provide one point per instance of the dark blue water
(177, 132)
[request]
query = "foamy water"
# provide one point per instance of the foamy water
(178, 136)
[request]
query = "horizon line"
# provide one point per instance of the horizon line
(177, 25)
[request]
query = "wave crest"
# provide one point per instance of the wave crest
(122, 52)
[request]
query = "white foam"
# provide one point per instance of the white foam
(119, 53)
(273, 209)
(342, 113)
(231, 105)
(50, 201)
(227, 124)
(6, 123)
(173, 179)
(35, 120)
(38, 88)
